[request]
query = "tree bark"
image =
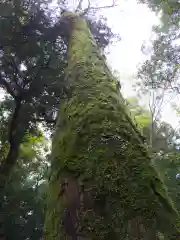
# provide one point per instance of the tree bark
(96, 146)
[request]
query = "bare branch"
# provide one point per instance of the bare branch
(7, 86)
(98, 8)
(79, 6)
(108, 6)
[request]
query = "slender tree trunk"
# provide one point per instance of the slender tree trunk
(101, 174)
(17, 130)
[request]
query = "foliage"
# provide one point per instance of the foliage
(24, 199)
(23, 209)
(163, 68)
(141, 116)
(170, 11)
(33, 54)
(24, 196)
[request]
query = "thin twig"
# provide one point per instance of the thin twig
(79, 6)
(98, 8)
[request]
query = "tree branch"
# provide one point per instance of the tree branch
(7, 86)
(79, 6)
(98, 8)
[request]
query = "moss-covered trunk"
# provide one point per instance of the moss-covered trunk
(102, 179)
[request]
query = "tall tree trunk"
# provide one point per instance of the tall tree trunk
(101, 174)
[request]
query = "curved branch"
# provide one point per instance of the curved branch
(7, 86)
(79, 6)
(98, 8)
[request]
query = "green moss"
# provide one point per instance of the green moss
(97, 142)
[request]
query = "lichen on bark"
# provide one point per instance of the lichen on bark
(96, 144)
